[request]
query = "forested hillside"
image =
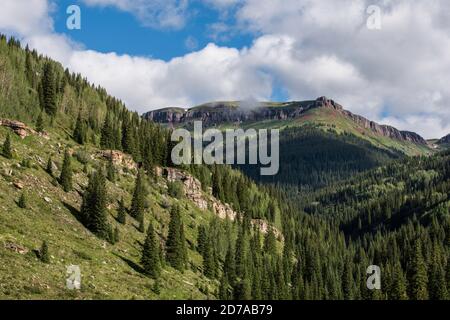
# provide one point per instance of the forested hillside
(86, 182)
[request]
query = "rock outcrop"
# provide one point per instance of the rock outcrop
(444, 140)
(213, 114)
(193, 191)
(119, 158)
(20, 128)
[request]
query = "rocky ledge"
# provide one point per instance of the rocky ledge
(213, 114)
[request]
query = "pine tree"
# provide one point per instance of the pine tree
(93, 208)
(229, 267)
(419, 279)
(202, 239)
(7, 149)
(141, 220)
(49, 168)
(49, 90)
(176, 250)
(111, 170)
(150, 254)
(116, 235)
(270, 243)
(438, 286)
(22, 203)
(224, 289)
(79, 133)
(122, 213)
(43, 253)
(137, 203)
(65, 178)
(107, 134)
(40, 123)
(399, 283)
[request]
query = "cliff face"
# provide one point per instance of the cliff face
(218, 113)
(445, 140)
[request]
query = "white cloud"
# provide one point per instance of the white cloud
(151, 13)
(25, 17)
(310, 48)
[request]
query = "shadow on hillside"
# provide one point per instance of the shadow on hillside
(132, 264)
(74, 211)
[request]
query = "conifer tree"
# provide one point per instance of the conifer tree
(79, 133)
(43, 253)
(150, 254)
(224, 289)
(40, 123)
(107, 135)
(111, 170)
(7, 149)
(176, 249)
(202, 239)
(229, 267)
(65, 178)
(419, 278)
(49, 168)
(49, 90)
(22, 203)
(128, 144)
(93, 208)
(116, 235)
(399, 283)
(137, 203)
(122, 212)
(270, 243)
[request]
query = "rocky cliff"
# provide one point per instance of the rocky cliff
(204, 200)
(445, 140)
(235, 112)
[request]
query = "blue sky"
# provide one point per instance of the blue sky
(107, 29)
(160, 53)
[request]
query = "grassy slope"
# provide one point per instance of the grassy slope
(108, 272)
(328, 119)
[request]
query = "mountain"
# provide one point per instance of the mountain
(87, 185)
(445, 141)
(322, 112)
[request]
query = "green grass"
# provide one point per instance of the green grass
(108, 271)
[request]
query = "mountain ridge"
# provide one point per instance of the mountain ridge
(225, 112)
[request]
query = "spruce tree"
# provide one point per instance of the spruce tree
(40, 123)
(116, 235)
(79, 133)
(399, 283)
(419, 280)
(49, 90)
(150, 254)
(49, 168)
(111, 170)
(93, 208)
(107, 134)
(22, 203)
(43, 253)
(224, 289)
(122, 212)
(137, 203)
(65, 178)
(7, 149)
(270, 243)
(176, 254)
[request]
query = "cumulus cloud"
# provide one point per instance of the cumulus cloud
(151, 13)
(309, 48)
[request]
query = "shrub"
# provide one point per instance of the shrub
(175, 189)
